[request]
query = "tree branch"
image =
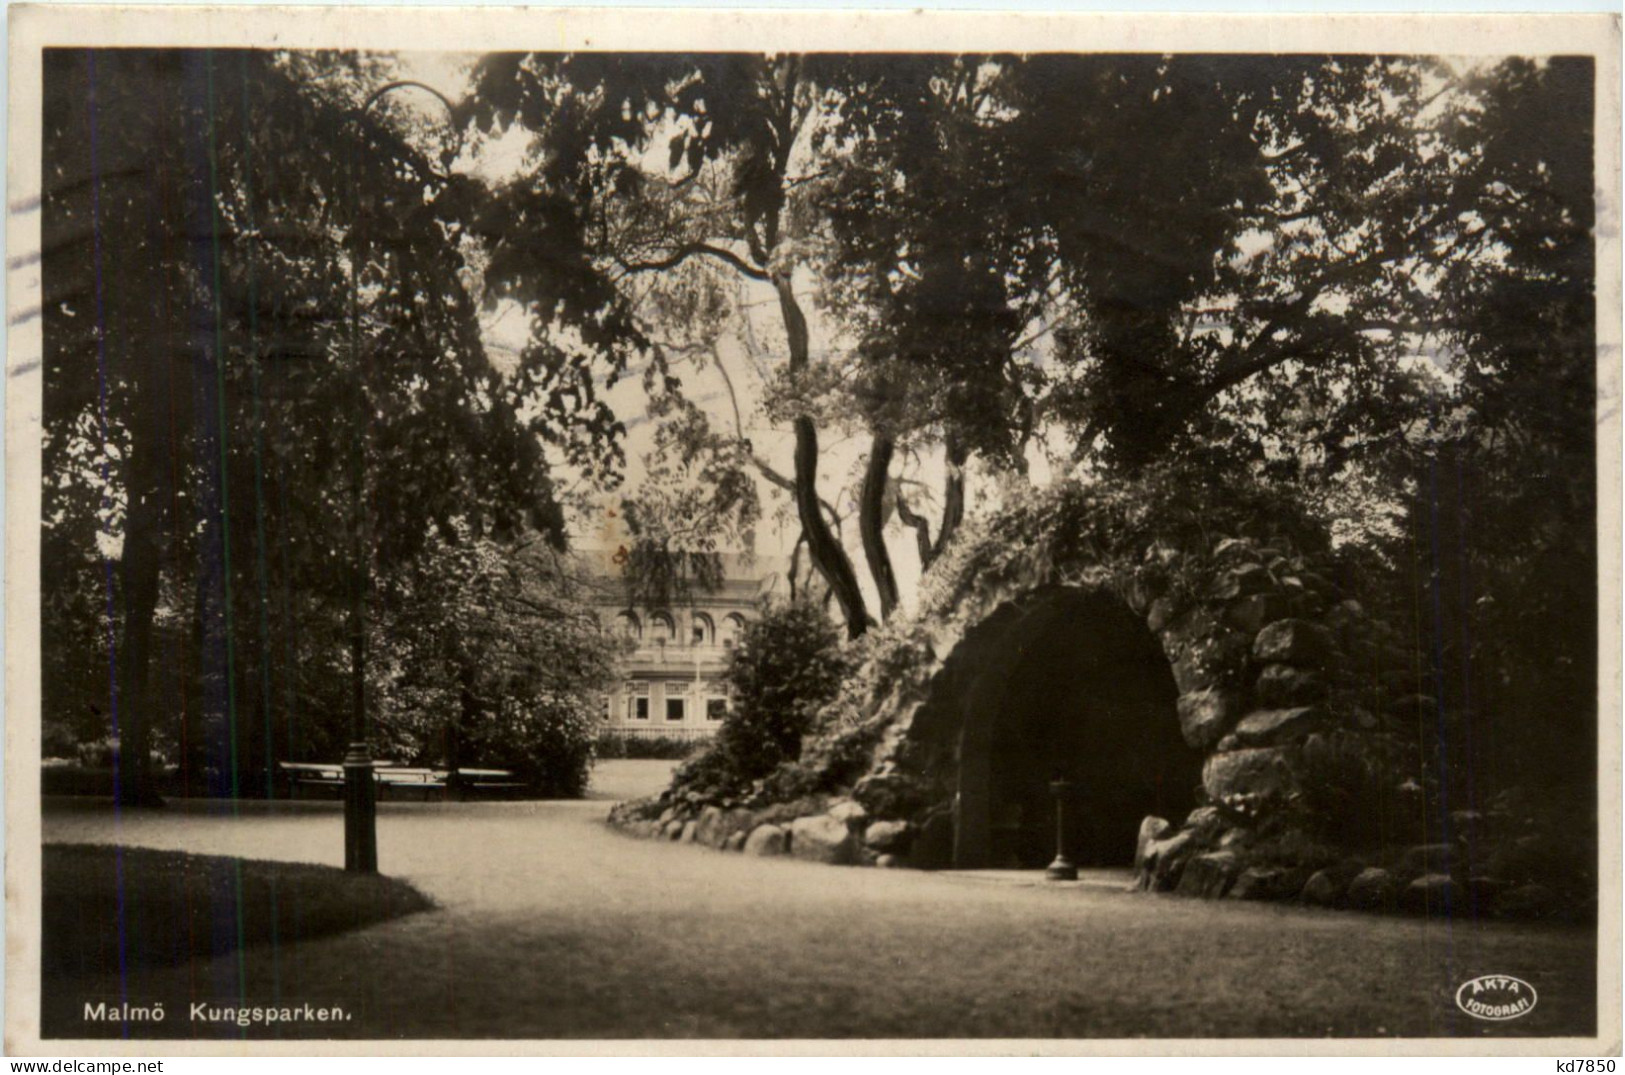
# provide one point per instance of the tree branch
(688, 250)
(921, 525)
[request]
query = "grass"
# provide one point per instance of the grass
(108, 909)
(551, 925)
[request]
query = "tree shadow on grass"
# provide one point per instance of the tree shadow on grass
(108, 909)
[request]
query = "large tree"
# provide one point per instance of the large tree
(1158, 256)
(259, 321)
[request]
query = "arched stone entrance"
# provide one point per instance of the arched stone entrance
(1052, 642)
(1067, 683)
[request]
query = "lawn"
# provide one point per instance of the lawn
(108, 909)
(550, 925)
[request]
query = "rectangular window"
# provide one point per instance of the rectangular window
(716, 708)
(637, 703)
(676, 700)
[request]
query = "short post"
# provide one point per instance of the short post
(360, 811)
(1063, 868)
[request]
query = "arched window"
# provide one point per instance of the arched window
(733, 629)
(703, 632)
(628, 625)
(661, 629)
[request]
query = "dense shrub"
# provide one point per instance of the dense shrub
(788, 664)
(656, 748)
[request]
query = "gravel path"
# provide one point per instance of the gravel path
(551, 925)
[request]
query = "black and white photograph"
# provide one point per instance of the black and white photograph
(686, 528)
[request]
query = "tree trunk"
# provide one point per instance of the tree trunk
(823, 547)
(138, 570)
(872, 522)
(953, 499)
(467, 715)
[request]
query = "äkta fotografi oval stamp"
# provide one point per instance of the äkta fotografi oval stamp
(1496, 997)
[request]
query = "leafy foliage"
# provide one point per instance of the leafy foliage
(265, 386)
(788, 665)
(493, 661)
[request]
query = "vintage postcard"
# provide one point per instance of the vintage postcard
(699, 531)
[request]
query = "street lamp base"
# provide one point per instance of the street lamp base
(360, 811)
(1061, 869)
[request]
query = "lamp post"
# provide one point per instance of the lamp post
(360, 778)
(1063, 868)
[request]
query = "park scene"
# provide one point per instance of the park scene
(771, 546)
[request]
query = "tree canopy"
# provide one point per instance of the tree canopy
(1366, 280)
(265, 381)
(1250, 262)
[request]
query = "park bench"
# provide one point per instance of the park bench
(398, 780)
(470, 783)
(306, 776)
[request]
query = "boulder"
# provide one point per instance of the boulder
(1265, 726)
(1207, 659)
(1165, 861)
(1152, 829)
(1295, 642)
(689, 829)
(822, 838)
(735, 841)
(765, 840)
(1250, 614)
(1201, 649)
(1432, 893)
(1161, 614)
(891, 794)
(673, 829)
(1204, 715)
(1373, 889)
(1241, 581)
(1234, 839)
(1235, 550)
(711, 827)
(1322, 889)
(888, 836)
(1143, 589)
(1267, 883)
(889, 862)
(851, 814)
(1327, 887)
(1205, 823)
(1427, 858)
(1285, 686)
(1208, 876)
(1261, 771)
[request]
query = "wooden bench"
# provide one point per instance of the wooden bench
(427, 783)
(306, 776)
(470, 783)
(399, 780)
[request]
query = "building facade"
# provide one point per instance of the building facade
(671, 674)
